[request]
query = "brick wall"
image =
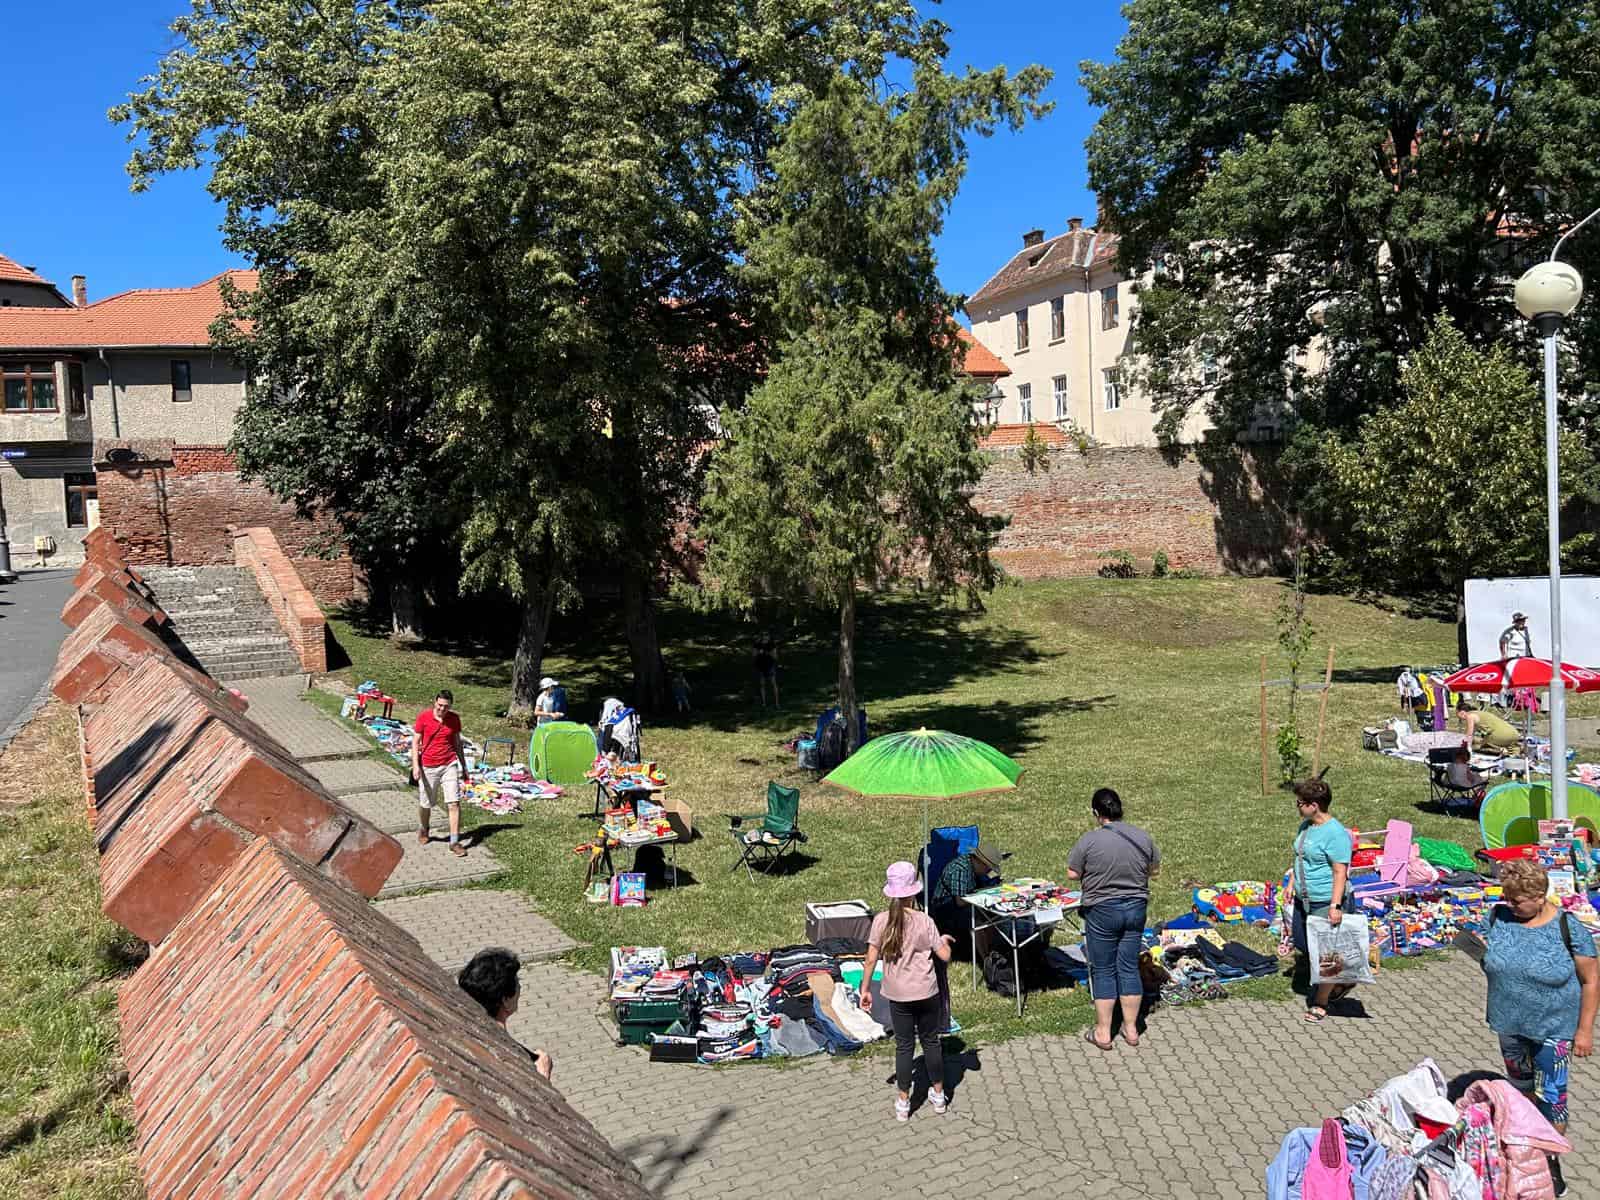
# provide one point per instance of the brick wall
(178, 505)
(296, 610)
(1210, 508)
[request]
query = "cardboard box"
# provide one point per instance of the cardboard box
(680, 816)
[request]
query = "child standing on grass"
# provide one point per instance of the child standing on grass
(680, 691)
(907, 941)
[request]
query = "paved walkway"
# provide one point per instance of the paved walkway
(31, 632)
(307, 732)
(1194, 1113)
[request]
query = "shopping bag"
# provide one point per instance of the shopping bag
(1339, 952)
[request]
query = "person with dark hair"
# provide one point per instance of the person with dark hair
(765, 660)
(439, 764)
(1321, 869)
(1115, 863)
(490, 978)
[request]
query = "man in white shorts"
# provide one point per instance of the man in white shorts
(438, 764)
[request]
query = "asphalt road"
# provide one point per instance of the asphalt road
(30, 634)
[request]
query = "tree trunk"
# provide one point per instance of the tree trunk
(404, 626)
(528, 665)
(847, 668)
(644, 644)
(1461, 626)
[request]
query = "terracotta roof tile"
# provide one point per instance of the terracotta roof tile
(14, 272)
(142, 317)
(1050, 259)
(980, 360)
(1002, 436)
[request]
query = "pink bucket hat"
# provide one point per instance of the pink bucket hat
(900, 881)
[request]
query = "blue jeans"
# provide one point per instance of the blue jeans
(1113, 932)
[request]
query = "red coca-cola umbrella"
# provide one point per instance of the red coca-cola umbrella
(1509, 674)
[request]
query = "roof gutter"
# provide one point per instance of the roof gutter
(111, 380)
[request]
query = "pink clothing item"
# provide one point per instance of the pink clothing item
(1525, 1138)
(1327, 1174)
(910, 976)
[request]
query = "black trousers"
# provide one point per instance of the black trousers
(913, 1021)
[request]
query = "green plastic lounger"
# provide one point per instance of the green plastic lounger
(1511, 812)
(562, 753)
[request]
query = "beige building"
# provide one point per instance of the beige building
(134, 365)
(1058, 315)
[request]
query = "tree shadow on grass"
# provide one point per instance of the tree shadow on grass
(1010, 728)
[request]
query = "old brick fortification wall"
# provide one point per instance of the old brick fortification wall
(285, 1038)
(175, 505)
(286, 595)
(1210, 508)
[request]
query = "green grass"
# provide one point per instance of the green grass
(66, 1128)
(1149, 686)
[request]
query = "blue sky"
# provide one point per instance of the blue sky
(62, 65)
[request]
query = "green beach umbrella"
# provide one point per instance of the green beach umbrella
(928, 764)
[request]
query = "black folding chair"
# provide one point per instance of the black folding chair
(1441, 790)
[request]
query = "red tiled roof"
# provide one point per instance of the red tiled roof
(142, 317)
(14, 272)
(1014, 435)
(980, 360)
(1050, 259)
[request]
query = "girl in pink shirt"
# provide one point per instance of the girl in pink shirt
(906, 940)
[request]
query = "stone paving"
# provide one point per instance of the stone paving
(1194, 1113)
(307, 732)
(393, 811)
(423, 868)
(453, 926)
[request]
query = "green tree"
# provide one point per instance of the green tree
(498, 253)
(854, 462)
(1339, 172)
(1450, 482)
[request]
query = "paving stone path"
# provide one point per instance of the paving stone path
(1194, 1113)
(305, 731)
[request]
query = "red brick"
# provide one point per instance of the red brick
(273, 1051)
(106, 647)
(172, 766)
(102, 588)
(293, 605)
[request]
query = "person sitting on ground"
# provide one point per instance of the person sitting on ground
(490, 978)
(551, 704)
(964, 874)
(1492, 730)
(1461, 775)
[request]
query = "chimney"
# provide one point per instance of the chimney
(1033, 237)
(1074, 224)
(80, 291)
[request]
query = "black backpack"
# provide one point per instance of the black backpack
(831, 752)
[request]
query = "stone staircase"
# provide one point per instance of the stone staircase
(221, 619)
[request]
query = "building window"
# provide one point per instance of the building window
(1210, 373)
(1058, 318)
(1110, 312)
(1025, 402)
(1113, 388)
(29, 387)
(1058, 386)
(1022, 329)
(81, 495)
(77, 398)
(180, 382)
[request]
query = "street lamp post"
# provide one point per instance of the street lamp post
(1546, 295)
(7, 575)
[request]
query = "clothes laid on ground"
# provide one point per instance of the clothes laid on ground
(1114, 862)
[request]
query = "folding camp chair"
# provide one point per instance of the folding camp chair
(1441, 790)
(765, 845)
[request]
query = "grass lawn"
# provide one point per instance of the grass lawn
(66, 1128)
(1149, 686)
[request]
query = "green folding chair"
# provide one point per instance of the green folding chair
(765, 845)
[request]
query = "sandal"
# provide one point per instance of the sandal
(1088, 1036)
(1315, 1015)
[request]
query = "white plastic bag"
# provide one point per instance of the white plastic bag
(1338, 952)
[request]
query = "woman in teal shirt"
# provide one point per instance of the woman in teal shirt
(1321, 866)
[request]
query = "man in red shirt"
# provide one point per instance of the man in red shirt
(438, 764)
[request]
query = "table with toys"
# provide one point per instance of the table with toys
(637, 823)
(619, 784)
(1002, 909)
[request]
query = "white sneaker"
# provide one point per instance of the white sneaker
(902, 1109)
(938, 1102)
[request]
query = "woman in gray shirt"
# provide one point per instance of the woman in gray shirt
(1115, 863)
